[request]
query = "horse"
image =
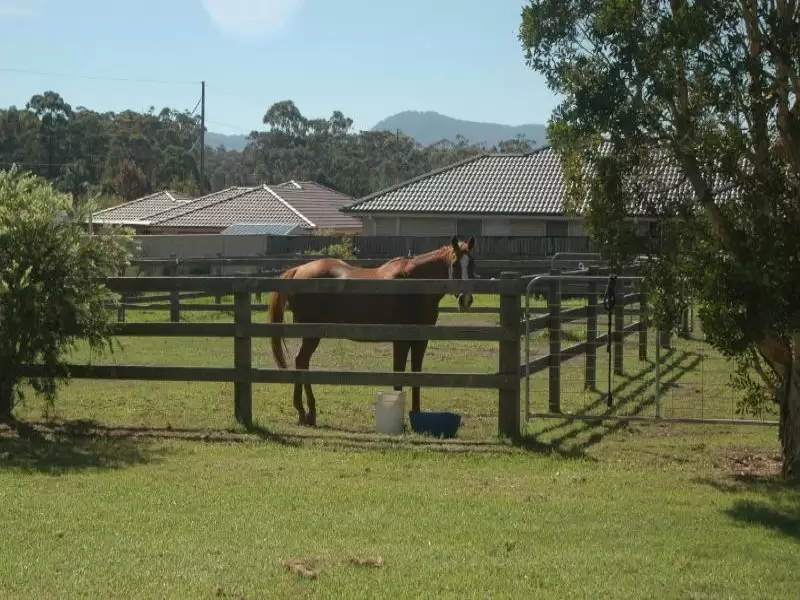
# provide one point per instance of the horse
(452, 261)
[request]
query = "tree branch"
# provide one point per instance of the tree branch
(685, 131)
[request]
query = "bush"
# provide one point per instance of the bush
(343, 250)
(51, 293)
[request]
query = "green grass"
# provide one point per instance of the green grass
(163, 496)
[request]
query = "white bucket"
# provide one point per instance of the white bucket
(390, 410)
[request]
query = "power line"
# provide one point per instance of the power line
(96, 77)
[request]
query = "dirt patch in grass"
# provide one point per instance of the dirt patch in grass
(367, 561)
(747, 463)
(303, 567)
(310, 568)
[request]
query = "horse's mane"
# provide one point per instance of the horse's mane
(443, 254)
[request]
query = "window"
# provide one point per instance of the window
(655, 229)
(557, 228)
(469, 227)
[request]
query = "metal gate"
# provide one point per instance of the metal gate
(590, 354)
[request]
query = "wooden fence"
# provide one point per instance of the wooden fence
(272, 265)
(387, 246)
(243, 375)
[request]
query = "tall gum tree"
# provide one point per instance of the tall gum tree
(710, 90)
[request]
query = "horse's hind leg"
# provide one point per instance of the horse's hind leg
(303, 360)
(311, 417)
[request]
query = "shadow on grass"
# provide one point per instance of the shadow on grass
(25, 447)
(524, 443)
(579, 432)
(778, 509)
(83, 444)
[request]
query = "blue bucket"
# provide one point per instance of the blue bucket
(437, 424)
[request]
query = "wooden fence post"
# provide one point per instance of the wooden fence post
(554, 328)
(619, 325)
(643, 322)
(685, 321)
(242, 359)
(122, 300)
(218, 273)
(508, 421)
(590, 375)
(174, 306)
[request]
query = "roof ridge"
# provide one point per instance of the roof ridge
(323, 186)
(416, 179)
(175, 200)
(190, 209)
(128, 203)
(289, 206)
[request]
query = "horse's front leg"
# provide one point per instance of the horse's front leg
(400, 358)
(417, 354)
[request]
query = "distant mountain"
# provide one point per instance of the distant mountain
(429, 127)
(231, 142)
(426, 128)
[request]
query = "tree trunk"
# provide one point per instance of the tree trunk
(6, 401)
(790, 424)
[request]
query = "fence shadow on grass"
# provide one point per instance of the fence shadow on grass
(777, 509)
(72, 445)
(576, 435)
(40, 449)
(350, 438)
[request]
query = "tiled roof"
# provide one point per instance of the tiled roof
(260, 229)
(305, 204)
(199, 203)
(248, 205)
(485, 184)
(503, 184)
(141, 209)
(319, 204)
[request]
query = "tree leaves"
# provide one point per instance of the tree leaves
(708, 89)
(51, 295)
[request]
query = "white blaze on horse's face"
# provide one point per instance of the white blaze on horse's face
(464, 300)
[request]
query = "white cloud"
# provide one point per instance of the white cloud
(18, 8)
(250, 18)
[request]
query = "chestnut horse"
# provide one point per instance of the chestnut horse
(453, 261)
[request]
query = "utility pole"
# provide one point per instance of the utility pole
(202, 137)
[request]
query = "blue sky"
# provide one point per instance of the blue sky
(367, 58)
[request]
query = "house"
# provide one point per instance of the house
(305, 205)
(492, 194)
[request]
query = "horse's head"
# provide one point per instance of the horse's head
(462, 266)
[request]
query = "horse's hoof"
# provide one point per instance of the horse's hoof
(311, 420)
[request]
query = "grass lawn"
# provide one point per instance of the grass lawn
(149, 490)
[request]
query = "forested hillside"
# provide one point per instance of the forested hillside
(129, 154)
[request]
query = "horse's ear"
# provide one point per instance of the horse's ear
(454, 241)
(471, 243)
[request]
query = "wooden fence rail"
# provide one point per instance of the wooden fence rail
(243, 375)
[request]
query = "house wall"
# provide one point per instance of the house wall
(411, 225)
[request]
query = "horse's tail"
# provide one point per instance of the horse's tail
(275, 315)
